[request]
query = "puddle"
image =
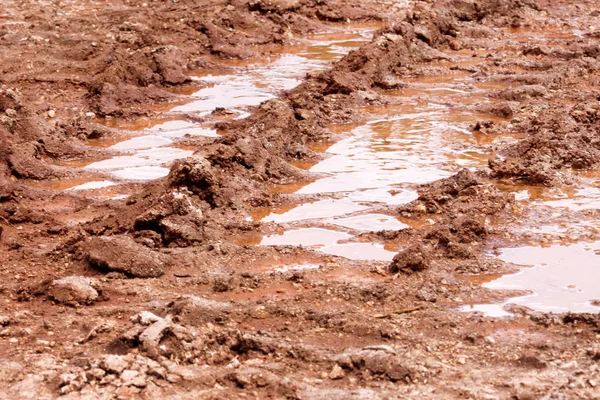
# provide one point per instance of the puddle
(93, 185)
(306, 237)
(145, 165)
(584, 197)
(561, 278)
(360, 251)
(369, 222)
(150, 144)
(317, 210)
(424, 138)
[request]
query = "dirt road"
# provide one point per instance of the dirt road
(299, 199)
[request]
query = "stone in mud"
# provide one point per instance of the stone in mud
(133, 378)
(123, 254)
(74, 290)
(413, 259)
(336, 373)
(181, 228)
(114, 364)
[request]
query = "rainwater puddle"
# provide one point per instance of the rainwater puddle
(306, 237)
(328, 242)
(360, 251)
(586, 196)
(317, 210)
(265, 80)
(563, 277)
(423, 138)
(369, 222)
(149, 146)
(560, 278)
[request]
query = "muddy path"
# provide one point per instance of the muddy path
(231, 207)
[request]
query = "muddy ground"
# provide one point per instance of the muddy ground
(164, 294)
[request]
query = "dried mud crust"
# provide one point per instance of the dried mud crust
(188, 313)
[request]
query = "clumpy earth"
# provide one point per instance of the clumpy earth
(159, 296)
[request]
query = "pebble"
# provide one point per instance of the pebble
(51, 114)
(336, 373)
(114, 363)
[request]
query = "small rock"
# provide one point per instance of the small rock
(74, 290)
(114, 363)
(455, 44)
(337, 373)
(51, 114)
(4, 320)
(123, 254)
(490, 340)
(172, 378)
(145, 318)
(95, 374)
(133, 378)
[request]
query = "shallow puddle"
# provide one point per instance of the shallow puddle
(560, 278)
(425, 137)
(150, 144)
(360, 251)
(317, 210)
(306, 237)
(369, 222)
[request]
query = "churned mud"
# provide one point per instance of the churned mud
(304, 200)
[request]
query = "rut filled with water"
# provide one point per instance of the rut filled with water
(425, 134)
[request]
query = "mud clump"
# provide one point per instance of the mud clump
(28, 141)
(196, 173)
(123, 254)
(413, 259)
(459, 209)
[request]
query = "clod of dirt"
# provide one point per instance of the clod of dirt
(381, 363)
(123, 254)
(413, 259)
(197, 174)
(74, 290)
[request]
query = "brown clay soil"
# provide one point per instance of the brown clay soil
(164, 293)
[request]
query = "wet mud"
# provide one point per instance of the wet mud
(299, 200)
